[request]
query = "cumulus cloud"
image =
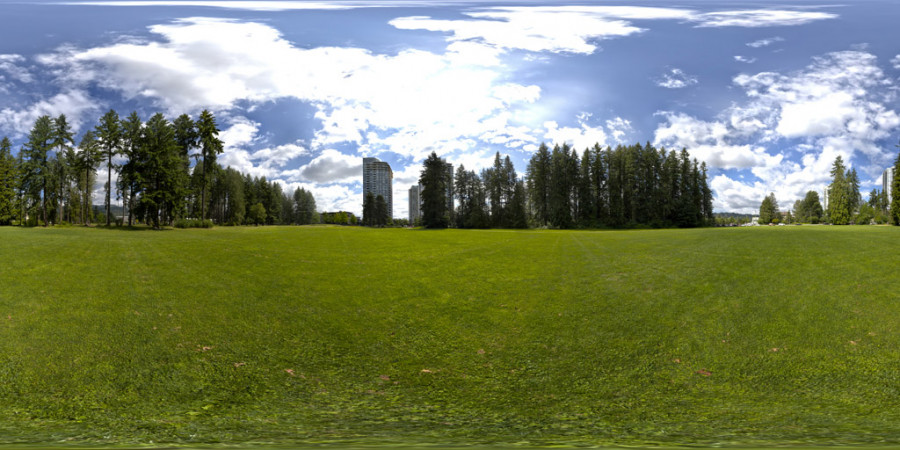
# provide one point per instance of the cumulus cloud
(579, 138)
(76, 104)
(836, 106)
(618, 128)
(409, 103)
(332, 166)
(676, 79)
(744, 59)
(896, 62)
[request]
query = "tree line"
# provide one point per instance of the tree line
(844, 203)
(625, 186)
(52, 180)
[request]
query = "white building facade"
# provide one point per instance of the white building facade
(415, 203)
(887, 177)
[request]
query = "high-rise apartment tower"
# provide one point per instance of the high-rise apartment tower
(378, 179)
(887, 177)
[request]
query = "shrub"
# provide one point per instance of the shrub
(193, 223)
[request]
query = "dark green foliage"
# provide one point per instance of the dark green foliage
(809, 209)
(193, 223)
(627, 186)
(369, 209)
(9, 181)
(210, 146)
(36, 172)
(88, 158)
(110, 135)
(257, 214)
(382, 216)
(433, 179)
(895, 193)
(537, 179)
(768, 210)
(304, 207)
(472, 197)
(840, 194)
(158, 160)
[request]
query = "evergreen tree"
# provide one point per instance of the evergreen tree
(517, 211)
(36, 170)
(160, 164)
(537, 179)
(369, 210)
(210, 147)
(768, 210)
(584, 189)
(895, 193)
(88, 158)
(132, 135)
(853, 196)
(109, 133)
(839, 202)
(381, 211)
(9, 179)
(63, 143)
(304, 207)
(434, 193)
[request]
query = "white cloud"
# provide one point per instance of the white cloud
(765, 42)
(618, 128)
(526, 29)
(332, 166)
(246, 5)
(896, 62)
(76, 104)
(579, 138)
(760, 18)
(10, 63)
(676, 79)
(744, 59)
(379, 102)
(835, 106)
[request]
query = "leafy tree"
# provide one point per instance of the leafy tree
(434, 193)
(9, 179)
(109, 133)
(768, 210)
(257, 214)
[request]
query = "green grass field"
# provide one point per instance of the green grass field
(285, 335)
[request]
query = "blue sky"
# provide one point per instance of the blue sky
(767, 93)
